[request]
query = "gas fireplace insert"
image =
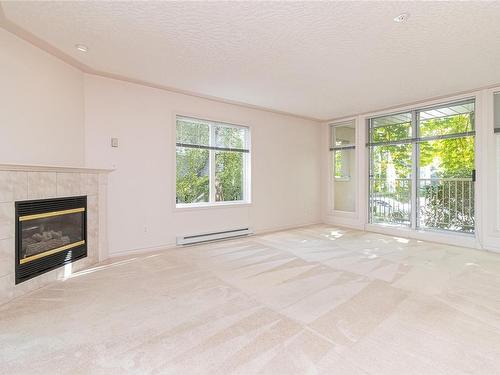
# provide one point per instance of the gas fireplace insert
(50, 233)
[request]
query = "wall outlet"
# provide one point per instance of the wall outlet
(114, 142)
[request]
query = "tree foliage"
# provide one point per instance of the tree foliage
(192, 175)
(455, 157)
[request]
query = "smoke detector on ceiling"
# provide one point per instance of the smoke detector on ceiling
(402, 18)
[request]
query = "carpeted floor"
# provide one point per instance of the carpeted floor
(315, 300)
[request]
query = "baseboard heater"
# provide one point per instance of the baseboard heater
(214, 236)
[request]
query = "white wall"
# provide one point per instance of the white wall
(41, 106)
(285, 164)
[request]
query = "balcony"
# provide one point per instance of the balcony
(443, 203)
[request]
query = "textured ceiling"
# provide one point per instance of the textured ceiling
(316, 59)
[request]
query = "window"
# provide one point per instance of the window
(343, 154)
(422, 168)
(212, 162)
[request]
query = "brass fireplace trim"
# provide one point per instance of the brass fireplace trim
(51, 214)
(50, 252)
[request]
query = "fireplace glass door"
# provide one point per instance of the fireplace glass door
(48, 233)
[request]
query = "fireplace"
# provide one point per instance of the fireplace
(50, 233)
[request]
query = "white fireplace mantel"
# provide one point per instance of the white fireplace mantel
(51, 168)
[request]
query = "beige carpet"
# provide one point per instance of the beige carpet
(316, 300)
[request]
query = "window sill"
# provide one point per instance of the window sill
(204, 206)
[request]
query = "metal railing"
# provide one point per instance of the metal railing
(390, 201)
(443, 203)
(446, 203)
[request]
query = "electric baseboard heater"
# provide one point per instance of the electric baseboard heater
(214, 236)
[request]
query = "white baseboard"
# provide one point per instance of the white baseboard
(492, 244)
(170, 246)
(268, 230)
(142, 250)
(344, 222)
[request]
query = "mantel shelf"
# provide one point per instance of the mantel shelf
(52, 168)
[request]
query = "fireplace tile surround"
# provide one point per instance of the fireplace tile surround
(23, 182)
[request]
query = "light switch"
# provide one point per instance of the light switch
(114, 142)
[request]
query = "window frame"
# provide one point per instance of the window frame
(332, 149)
(415, 140)
(212, 203)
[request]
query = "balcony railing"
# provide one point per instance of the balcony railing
(443, 203)
(390, 201)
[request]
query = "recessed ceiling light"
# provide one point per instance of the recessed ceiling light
(81, 47)
(402, 18)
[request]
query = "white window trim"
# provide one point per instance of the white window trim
(331, 167)
(247, 159)
(206, 205)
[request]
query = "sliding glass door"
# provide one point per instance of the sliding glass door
(422, 168)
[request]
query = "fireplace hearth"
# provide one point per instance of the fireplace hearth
(50, 233)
